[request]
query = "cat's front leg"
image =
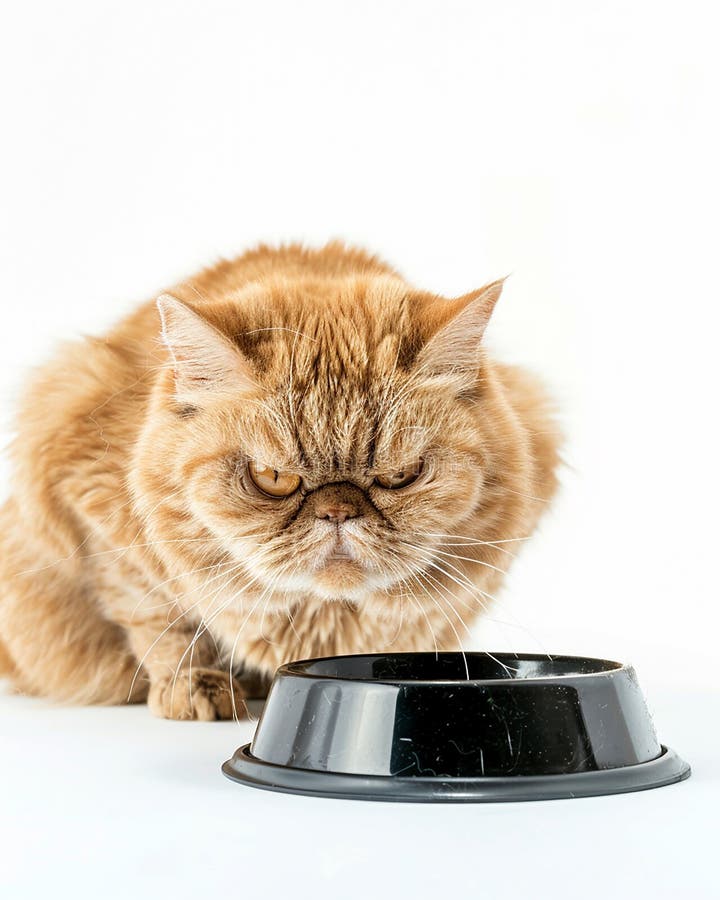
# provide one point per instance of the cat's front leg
(186, 681)
(204, 694)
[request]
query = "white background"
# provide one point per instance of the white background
(574, 145)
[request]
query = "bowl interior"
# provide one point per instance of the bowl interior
(453, 667)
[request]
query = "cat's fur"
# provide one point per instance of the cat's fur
(133, 528)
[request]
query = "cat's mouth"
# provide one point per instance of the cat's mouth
(339, 551)
(341, 569)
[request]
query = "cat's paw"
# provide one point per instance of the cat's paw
(204, 694)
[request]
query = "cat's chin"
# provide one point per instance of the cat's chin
(342, 577)
(349, 583)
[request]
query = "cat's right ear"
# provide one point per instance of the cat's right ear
(204, 359)
(453, 350)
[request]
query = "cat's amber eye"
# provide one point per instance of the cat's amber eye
(401, 478)
(272, 482)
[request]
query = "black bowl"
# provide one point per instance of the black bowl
(455, 727)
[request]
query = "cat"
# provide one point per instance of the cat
(292, 454)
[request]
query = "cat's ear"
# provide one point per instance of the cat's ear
(204, 359)
(458, 327)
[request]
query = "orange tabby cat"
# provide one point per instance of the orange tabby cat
(296, 454)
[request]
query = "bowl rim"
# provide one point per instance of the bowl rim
(299, 669)
(665, 769)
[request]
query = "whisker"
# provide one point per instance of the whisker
(480, 562)
(471, 540)
(187, 574)
(448, 620)
(262, 596)
(507, 669)
(473, 589)
(204, 626)
(416, 603)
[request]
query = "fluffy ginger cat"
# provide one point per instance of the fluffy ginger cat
(292, 454)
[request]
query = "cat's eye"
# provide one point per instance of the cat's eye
(400, 479)
(272, 482)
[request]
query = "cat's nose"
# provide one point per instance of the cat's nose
(336, 512)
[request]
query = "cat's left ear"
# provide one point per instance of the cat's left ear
(457, 330)
(204, 359)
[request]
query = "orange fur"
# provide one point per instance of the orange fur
(136, 559)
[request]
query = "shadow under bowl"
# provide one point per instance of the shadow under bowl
(455, 727)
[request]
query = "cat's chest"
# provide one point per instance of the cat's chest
(312, 628)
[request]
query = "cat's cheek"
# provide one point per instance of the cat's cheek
(437, 508)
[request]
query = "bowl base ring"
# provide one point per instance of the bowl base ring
(668, 768)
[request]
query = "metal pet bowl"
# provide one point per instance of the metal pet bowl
(455, 727)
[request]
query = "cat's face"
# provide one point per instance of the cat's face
(328, 442)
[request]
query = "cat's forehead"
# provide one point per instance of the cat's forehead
(336, 362)
(325, 330)
(353, 429)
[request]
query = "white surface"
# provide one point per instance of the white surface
(573, 144)
(113, 803)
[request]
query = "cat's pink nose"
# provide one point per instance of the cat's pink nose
(335, 512)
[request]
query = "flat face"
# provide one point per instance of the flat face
(452, 667)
